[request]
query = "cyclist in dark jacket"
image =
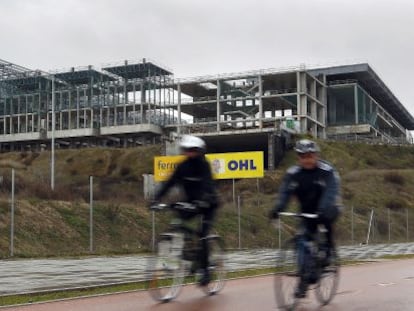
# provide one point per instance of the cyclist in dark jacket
(195, 177)
(316, 184)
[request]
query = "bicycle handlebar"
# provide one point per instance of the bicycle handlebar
(184, 206)
(302, 215)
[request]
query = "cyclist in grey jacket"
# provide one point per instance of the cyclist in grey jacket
(316, 184)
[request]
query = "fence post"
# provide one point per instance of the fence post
(406, 222)
(12, 217)
(91, 214)
(352, 226)
(153, 230)
(234, 192)
(369, 226)
(238, 216)
(389, 226)
(279, 227)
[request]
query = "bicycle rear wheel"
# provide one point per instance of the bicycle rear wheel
(216, 267)
(166, 268)
(287, 276)
(328, 281)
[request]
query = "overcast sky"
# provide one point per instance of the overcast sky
(198, 37)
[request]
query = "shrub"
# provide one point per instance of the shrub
(395, 203)
(394, 178)
(111, 212)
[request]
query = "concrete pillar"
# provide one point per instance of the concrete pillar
(19, 112)
(302, 104)
(69, 109)
(125, 121)
(134, 90)
(270, 152)
(218, 106)
(260, 101)
(77, 108)
(26, 114)
(143, 98)
(356, 104)
(179, 108)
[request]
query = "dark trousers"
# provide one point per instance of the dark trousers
(207, 219)
(206, 224)
(310, 227)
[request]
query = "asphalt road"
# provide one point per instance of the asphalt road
(384, 286)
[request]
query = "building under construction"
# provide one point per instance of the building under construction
(139, 102)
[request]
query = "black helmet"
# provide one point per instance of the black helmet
(306, 146)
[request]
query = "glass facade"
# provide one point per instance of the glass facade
(367, 108)
(341, 105)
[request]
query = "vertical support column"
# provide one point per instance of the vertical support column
(52, 161)
(314, 108)
(5, 117)
(125, 121)
(270, 152)
(260, 101)
(134, 90)
(85, 95)
(39, 111)
(164, 102)
(60, 111)
(116, 103)
(70, 110)
(18, 116)
(302, 103)
(179, 108)
(149, 97)
(356, 104)
(33, 113)
(323, 117)
(218, 105)
(142, 102)
(27, 114)
(108, 106)
(77, 108)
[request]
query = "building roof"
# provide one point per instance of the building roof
(83, 76)
(138, 70)
(364, 75)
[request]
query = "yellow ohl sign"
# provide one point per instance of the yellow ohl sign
(223, 165)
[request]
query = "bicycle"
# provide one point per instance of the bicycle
(178, 255)
(311, 263)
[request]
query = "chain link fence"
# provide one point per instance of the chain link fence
(108, 215)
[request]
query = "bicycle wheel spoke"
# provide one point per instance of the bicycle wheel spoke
(287, 277)
(328, 282)
(216, 268)
(167, 272)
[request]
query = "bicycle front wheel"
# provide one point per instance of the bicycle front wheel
(216, 267)
(287, 276)
(328, 281)
(167, 269)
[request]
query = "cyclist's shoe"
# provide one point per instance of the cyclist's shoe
(300, 291)
(313, 278)
(194, 267)
(326, 262)
(205, 279)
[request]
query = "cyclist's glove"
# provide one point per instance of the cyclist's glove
(153, 203)
(201, 204)
(274, 214)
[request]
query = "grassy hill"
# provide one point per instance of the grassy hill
(50, 223)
